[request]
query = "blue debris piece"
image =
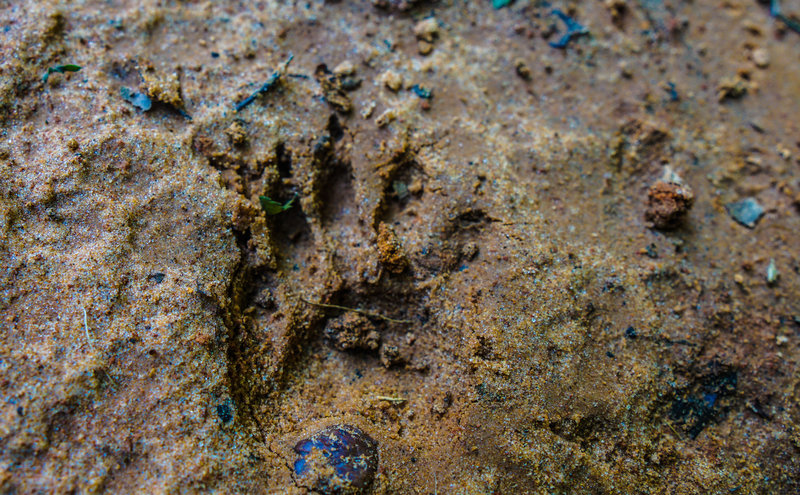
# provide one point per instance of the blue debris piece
(139, 100)
(673, 93)
(574, 29)
(224, 412)
(775, 11)
(747, 212)
(421, 92)
(499, 4)
(271, 81)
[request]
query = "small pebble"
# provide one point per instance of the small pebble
(392, 80)
(747, 211)
(772, 272)
(424, 47)
(733, 87)
(387, 116)
(761, 57)
(346, 68)
(427, 29)
(522, 69)
(366, 111)
(624, 70)
(337, 459)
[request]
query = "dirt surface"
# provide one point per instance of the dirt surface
(473, 271)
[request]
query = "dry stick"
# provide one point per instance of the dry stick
(354, 310)
(91, 344)
(86, 328)
(675, 431)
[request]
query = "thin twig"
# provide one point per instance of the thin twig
(86, 328)
(674, 431)
(354, 310)
(394, 400)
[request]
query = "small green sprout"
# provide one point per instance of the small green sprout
(60, 69)
(272, 207)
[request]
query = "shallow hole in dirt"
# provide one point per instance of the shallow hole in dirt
(338, 194)
(283, 161)
(404, 187)
(290, 230)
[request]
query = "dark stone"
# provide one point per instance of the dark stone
(335, 460)
(705, 401)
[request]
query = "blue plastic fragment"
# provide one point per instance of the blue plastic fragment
(421, 92)
(271, 81)
(747, 211)
(499, 4)
(574, 29)
(139, 100)
(673, 93)
(775, 11)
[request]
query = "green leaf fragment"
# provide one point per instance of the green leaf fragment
(272, 207)
(60, 69)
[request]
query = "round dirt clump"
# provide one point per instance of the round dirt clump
(668, 204)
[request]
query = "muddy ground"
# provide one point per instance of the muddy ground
(514, 265)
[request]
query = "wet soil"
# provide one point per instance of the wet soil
(429, 223)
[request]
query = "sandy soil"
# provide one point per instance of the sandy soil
(514, 267)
